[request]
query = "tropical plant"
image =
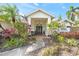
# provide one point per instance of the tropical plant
(53, 25)
(72, 42)
(70, 13)
(8, 12)
(60, 38)
(59, 18)
(8, 32)
(54, 35)
(13, 42)
(22, 29)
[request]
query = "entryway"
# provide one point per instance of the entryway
(38, 30)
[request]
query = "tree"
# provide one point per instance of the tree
(59, 18)
(54, 25)
(8, 12)
(70, 13)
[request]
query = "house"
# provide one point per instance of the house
(38, 21)
(65, 26)
(76, 15)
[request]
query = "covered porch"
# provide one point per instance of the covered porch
(38, 26)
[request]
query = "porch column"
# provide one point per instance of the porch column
(47, 30)
(29, 20)
(29, 23)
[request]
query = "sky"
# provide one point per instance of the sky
(55, 9)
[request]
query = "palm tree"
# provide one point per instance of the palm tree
(70, 13)
(8, 12)
(59, 18)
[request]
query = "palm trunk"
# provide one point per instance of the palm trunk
(2, 27)
(13, 19)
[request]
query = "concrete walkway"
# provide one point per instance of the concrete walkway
(24, 51)
(15, 52)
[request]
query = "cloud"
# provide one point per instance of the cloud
(63, 7)
(36, 4)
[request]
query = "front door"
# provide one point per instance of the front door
(38, 29)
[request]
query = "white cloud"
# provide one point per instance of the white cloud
(63, 7)
(36, 4)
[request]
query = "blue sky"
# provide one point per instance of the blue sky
(55, 9)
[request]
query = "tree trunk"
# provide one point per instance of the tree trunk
(13, 19)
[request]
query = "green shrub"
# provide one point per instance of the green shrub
(14, 42)
(72, 42)
(54, 35)
(10, 43)
(60, 38)
(22, 29)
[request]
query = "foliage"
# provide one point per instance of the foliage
(8, 12)
(70, 13)
(72, 42)
(8, 32)
(55, 34)
(76, 23)
(59, 18)
(50, 51)
(60, 38)
(14, 42)
(53, 25)
(21, 29)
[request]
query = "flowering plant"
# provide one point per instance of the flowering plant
(8, 32)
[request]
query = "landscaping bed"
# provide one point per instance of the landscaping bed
(15, 37)
(58, 49)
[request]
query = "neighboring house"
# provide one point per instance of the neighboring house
(38, 21)
(76, 15)
(66, 27)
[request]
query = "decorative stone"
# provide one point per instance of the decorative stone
(74, 50)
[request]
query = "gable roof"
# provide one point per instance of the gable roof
(41, 11)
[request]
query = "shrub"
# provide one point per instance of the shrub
(21, 29)
(55, 34)
(60, 38)
(10, 43)
(8, 32)
(72, 42)
(14, 42)
(50, 51)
